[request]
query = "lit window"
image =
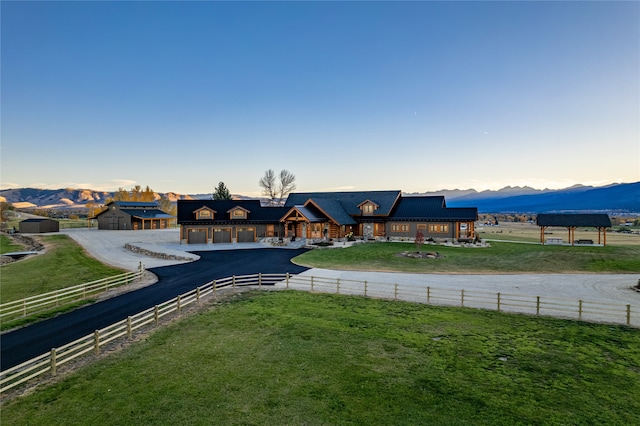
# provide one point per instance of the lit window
(438, 229)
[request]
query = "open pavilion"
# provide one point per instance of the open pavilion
(571, 221)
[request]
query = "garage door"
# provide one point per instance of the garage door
(222, 235)
(197, 237)
(246, 235)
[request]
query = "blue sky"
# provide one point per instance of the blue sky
(416, 96)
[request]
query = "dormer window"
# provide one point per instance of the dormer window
(368, 207)
(238, 213)
(204, 213)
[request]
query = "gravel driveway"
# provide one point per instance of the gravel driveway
(108, 247)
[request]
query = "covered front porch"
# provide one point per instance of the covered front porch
(301, 222)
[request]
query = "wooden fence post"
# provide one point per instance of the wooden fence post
(233, 281)
(428, 295)
(498, 301)
(462, 298)
(96, 342)
(365, 289)
(198, 295)
(287, 280)
(312, 283)
(214, 286)
(260, 280)
(338, 285)
(156, 314)
(129, 328)
(628, 314)
(178, 306)
(24, 308)
(395, 291)
(537, 305)
(580, 309)
(54, 366)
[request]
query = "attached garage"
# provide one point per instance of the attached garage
(197, 236)
(221, 235)
(246, 235)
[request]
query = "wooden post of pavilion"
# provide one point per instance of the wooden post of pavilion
(542, 229)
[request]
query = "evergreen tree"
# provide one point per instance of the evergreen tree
(221, 192)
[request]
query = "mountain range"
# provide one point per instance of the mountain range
(622, 197)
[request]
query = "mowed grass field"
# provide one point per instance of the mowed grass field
(64, 264)
(296, 358)
(284, 358)
(500, 257)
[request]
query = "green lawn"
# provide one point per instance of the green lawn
(64, 264)
(501, 257)
(297, 358)
(8, 245)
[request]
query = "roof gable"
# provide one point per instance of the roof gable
(333, 209)
(304, 211)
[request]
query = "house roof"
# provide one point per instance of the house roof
(343, 208)
(256, 213)
(348, 201)
(36, 220)
(431, 209)
(573, 219)
(147, 214)
(138, 204)
(334, 209)
(309, 213)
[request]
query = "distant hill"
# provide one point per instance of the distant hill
(624, 197)
(66, 198)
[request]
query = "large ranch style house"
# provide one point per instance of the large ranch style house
(317, 216)
(133, 215)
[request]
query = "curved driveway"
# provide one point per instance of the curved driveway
(28, 342)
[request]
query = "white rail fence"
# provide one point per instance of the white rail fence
(48, 363)
(65, 296)
(506, 302)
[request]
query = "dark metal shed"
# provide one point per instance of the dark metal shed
(38, 226)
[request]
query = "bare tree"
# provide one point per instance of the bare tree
(277, 191)
(268, 184)
(287, 184)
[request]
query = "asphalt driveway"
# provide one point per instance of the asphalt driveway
(28, 342)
